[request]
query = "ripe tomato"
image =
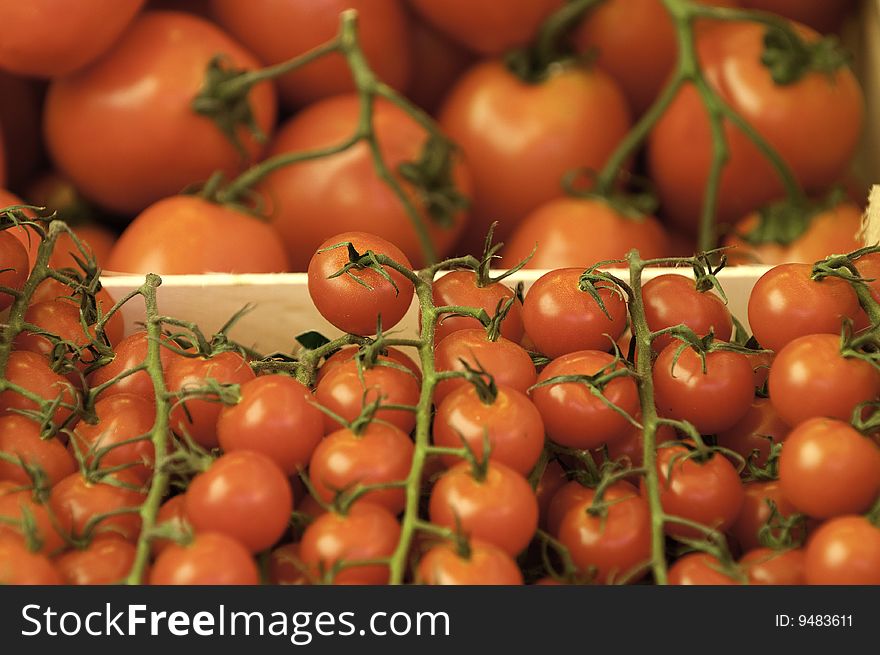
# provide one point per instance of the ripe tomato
(582, 231)
(52, 290)
(276, 32)
(760, 427)
(107, 560)
(673, 300)
(844, 551)
(554, 126)
(366, 532)
(829, 106)
(819, 14)
(47, 40)
(570, 494)
(277, 417)
(79, 505)
(127, 154)
(573, 415)
(561, 319)
(461, 288)
(774, 567)
(19, 566)
(755, 511)
(709, 493)
(508, 363)
(440, 62)
(484, 564)
(632, 447)
(828, 469)
(210, 559)
(553, 479)
(286, 567)
(307, 206)
(188, 234)
(511, 423)
(61, 319)
(348, 352)
(173, 512)
(243, 495)
(347, 303)
(699, 569)
(812, 367)
(20, 438)
(14, 269)
(501, 508)
(22, 516)
(31, 371)
(129, 353)
(381, 453)
(199, 417)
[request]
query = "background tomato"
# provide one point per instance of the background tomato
(757, 430)
(15, 267)
(822, 15)
(438, 59)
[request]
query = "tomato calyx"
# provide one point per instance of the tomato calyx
(873, 514)
(781, 532)
(570, 573)
(27, 526)
(784, 222)
(789, 58)
(636, 204)
(431, 176)
(593, 280)
(482, 381)
(767, 472)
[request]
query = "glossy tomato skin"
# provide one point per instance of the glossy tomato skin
(187, 234)
(572, 415)
(105, 561)
(347, 303)
(844, 551)
(244, 495)
(486, 564)
(15, 265)
(31, 371)
(19, 566)
(828, 106)
(307, 206)
(511, 423)
(210, 559)
(367, 531)
(128, 354)
(52, 290)
(76, 502)
(22, 514)
(764, 566)
(347, 353)
(500, 509)
(459, 288)
(380, 453)
(758, 429)
(520, 139)
(699, 569)
(561, 319)
(20, 438)
(276, 416)
(756, 512)
(828, 469)
(570, 494)
(126, 155)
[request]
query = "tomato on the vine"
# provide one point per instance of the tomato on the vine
(210, 558)
(129, 353)
(105, 561)
(844, 551)
(483, 563)
(31, 371)
(757, 430)
(25, 518)
(701, 569)
(19, 566)
(15, 268)
(20, 440)
(756, 512)
(463, 289)
(775, 567)
(110, 505)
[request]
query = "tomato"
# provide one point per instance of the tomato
(868, 267)
(786, 304)
(755, 511)
(14, 268)
(553, 479)
(440, 62)
(243, 495)
(277, 417)
(844, 551)
(307, 206)
(561, 319)
(489, 27)
(380, 453)
(519, 139)
(509, 364)
(197, 417)
(819, 14)
(673, 299)
(23, 517)
(366, 532)
(828, 469)
(356, 306)
(461, 288)
(31, 371)
(772, 567)
(501, 508)
(20, 130)
(714, 400)
(827, 106)
(573, 415)
(285, 566)
(348, 352)
(108, 560)
(188, 234)
(19, 566)
(612, 547)
(20, 438)
(79, 505)
(700, 569)
(48, 40)
(210, 559)
(582, 231)
(708, 492)
(761, 362)
(570, 494)
(173, 512)
(760, 427)
(128, 354)
(126, 155)
(830, 232)
(483, 564)
(632, 447)
(812, 367)
(61, 319)
(52, 290)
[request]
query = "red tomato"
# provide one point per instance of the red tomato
(20, 130)
(461, 288)
(760, 427)
(844, 551)
(829, 107)
(553, 479)
(61, 319)
(366, 532)
(78, 503)
(105, 561)
(348, 352)
(20, 438)
(774, 567)
(23, 517)
(632, 447)
(172, 511)
(828, 469)
(484, 564)
(699, 569)
(500, 508)
(440, 62)
(31, 371)
(243, 495)
(570, 494)
(286, 567)
(128, 354)
(123, 129)
(381, 453)
(210, 559)
(14, 269)
(573, 415)
(519, 139)
(821, 15)
(356, 306)
(306, 200)
(188, 234)
(52, 290)
(19, 566)
(755, 511)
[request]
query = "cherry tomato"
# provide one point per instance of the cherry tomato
(828, 469)
(773, 567)
(105, 561)
(570, 494)
(700, 569)
(553, 479)
(19, 566)
(632, 447)
(61, 319)
(79, 506)
(31, 371)
(757, 430)
(128, 354)
(461, 288)
(52, 290)
(173, 512)
(23, 517)
(243, 495)
(483, 564)
(756, 512)
(348, 352)
(844, 551)
(286, 567)
(20, 439)
(126, 155)
(210, 559)
(14, 268)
